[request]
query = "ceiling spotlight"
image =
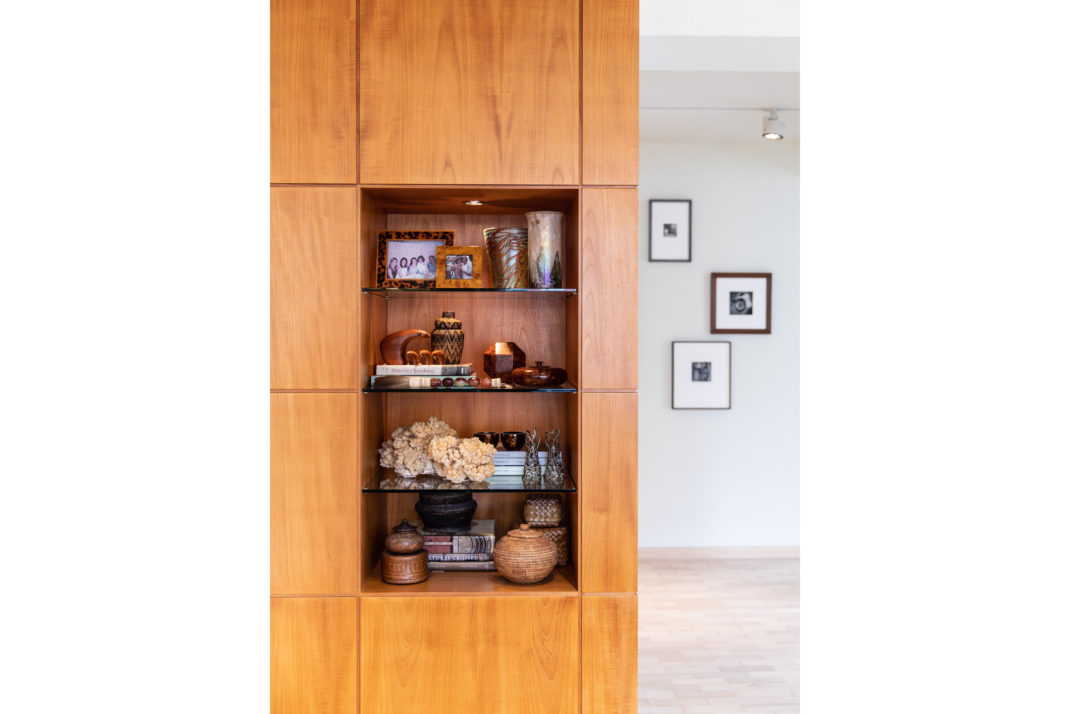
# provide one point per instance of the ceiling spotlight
(773, 127)
(473, 203)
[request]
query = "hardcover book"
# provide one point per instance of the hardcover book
(456, 557)
(423, 370)
(440, 566)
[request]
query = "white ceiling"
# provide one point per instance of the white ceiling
(714, 88)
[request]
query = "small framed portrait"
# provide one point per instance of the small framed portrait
(670, 230)
(408, 259)
(741, 303)
(701, 375)
(460, 267)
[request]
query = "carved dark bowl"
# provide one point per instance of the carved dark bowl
(513, 440)
(446, 512)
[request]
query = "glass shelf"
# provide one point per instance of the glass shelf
(388, 293)
(387, 481)
(567, 388)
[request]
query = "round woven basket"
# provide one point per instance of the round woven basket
(525, 556)
(543, 511)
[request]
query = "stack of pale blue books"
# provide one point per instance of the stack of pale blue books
(509, 467)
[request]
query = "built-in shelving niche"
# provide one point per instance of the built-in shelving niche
(545, 326)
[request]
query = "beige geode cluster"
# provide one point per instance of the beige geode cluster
(459, 459)
(408, 450)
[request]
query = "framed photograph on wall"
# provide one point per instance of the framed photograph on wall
(670, 230)
(741, 303)
(408, 259)
(460, 267)
(701, 375)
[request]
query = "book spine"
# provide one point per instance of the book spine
(434, 548)
(423, 370)
(460, 565)
(456, 557)
(436, 538)
(473, 544)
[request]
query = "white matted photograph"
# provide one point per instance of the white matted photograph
(701, 375)
(741, 303)
(670, 230)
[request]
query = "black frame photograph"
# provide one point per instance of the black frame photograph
(670, 230)
(701, 374)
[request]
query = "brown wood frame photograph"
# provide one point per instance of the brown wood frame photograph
(383, 280)
(768, 302)
(474, 253)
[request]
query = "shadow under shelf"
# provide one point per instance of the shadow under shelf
(567, 388)
(388, 293)
(387, 481)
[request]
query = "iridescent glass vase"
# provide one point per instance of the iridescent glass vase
(545, 236)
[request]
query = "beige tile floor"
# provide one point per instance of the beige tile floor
(717, 635)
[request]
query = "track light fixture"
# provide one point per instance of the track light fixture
(772, 126)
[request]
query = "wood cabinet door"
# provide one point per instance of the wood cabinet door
(469, 91)
(609, 255)
(609, 469)
(611, 92)
(610, 654)
(314, 655)
(314, 287)
(314, 494)
(478, 655)
(314, 91)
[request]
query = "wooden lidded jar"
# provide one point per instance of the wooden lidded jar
(525, 556)
(405, 560)
(405, 538)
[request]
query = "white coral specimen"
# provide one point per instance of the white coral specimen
(459, 459)
(407, 450)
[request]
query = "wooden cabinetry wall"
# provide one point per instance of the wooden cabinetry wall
(373, 94)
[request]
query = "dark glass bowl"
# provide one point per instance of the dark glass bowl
(513, 440)
(488, 437)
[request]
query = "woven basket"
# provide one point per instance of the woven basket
(558, 535)
(543, 511)
(525, 556)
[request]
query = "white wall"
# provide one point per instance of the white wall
(721, 478)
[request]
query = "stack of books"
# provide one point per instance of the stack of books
(509, 467)
(472, 550)
(424, 370)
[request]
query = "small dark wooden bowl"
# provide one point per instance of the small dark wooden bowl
(488, 437)
(513, 440)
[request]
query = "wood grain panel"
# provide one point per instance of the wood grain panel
(477, 655)
(314, 288)
(537, 325)
(469, 91)
(314, 91)
(314, 655)
(610, 432)
(469, 412)
(314, 491)
(609, 643)
(561, 582)
(611, 92)
(610, 289)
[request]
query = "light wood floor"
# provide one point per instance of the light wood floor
(717, 635)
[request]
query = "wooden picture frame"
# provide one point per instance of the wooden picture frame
(455, 261)
(667, 214)
(396, 247)
(701, 375)
(745, 306)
